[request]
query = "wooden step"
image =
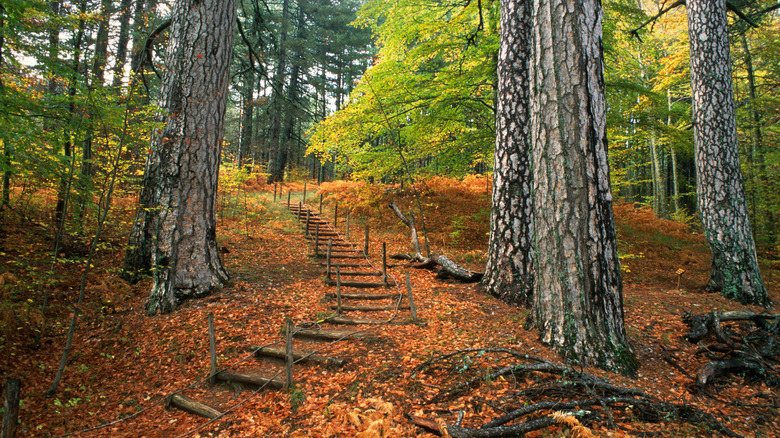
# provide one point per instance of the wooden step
(344, 265)
(357, 284)
(250, 379)
(345, 256)
(193, 407)
(363, 296)
(353, 321)
(360, 274)
(368, 308)
(298, 356)
(330, 335)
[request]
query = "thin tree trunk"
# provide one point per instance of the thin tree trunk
(122, 39)
(719, 186)
(676, 188)
(275, 167)
(508, 273)
(578, 293)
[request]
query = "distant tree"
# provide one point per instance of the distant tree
(174, 235)
(508, 274)
(720, 189)
(578, 293)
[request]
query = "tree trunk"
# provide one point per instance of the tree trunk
(578, 293)
(175, 230)
(719, 186)
(101, 43)
(247, 128)
(275, 167)
(508, 273)
(122, 39)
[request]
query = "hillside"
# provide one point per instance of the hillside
(125, 364)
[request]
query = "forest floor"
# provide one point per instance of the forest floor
(125, 364)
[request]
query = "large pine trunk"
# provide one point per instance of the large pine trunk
(175, 231)
(719, 186)
(508, 274)
(578, 294)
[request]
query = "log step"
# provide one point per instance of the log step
(298, 356)
(344, 265)
(187, 404)
(250, 379)
(358, 284)
(368, 308)
(363, 296)
(353, 321)
(345, 256)
(361, 274)
(330, 335)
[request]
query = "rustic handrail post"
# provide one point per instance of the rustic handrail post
(327, 258)
(365, 249)
(304, 193)
(317, 241)
(307, 223)
(412, 307)
(384, 263)
(320, 204)
(336, 216)
(11, 408)
(347, 224)
(274, 192)
(212, 351)
(288, 198)
(289, 354)
(300, 205)
(338, 290)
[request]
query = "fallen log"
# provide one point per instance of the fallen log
(448, 266)
(193, 407)
(718, 368)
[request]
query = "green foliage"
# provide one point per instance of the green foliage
(427, 101)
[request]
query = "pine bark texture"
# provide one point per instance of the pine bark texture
(508, 273)
(719, 186)
(175, 231)
(578, 294)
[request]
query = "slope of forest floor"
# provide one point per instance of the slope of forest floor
(125, 363)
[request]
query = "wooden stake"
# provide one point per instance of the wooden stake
(317, 241)
(412, 307)
(274, 192)
(347, 224)
(304, 193)
(212, 351)
(327, 258)
(336, 217)
(365, 249)
(300, 205)
(11, 408)
(320, 203)
(289, 353)
(307, 223)
(288, 198)
(194, 407)
(384, 263)
(338, 290)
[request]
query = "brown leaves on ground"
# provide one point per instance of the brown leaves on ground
(124, 363)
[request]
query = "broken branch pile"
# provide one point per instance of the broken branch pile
(546, 394)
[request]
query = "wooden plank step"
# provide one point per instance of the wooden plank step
(353, 321)
(250, 379)
(360, 274)
(187, 404)
(358, 284)
(345, 256)
(363, 296)
(368, 308)
(344, 265)
(298, 356)
(329, 335)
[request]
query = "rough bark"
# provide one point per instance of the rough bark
(578, 293)
(508, 273)
(719, 187)
(174, 235)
